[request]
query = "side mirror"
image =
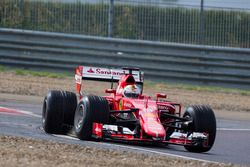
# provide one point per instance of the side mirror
(160, 95)
(110, 91)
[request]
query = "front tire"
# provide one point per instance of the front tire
(89, 110)
(203, 120)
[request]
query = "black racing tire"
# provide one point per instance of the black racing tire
(89, 110)
(58, 110)
(52, 115)
(70, 104)
(203, 120)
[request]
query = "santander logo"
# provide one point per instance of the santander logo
(108, 72)
(104, 71)
(91, 70)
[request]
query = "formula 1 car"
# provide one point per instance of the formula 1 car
(126, 114)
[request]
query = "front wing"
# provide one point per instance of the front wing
(116, 133)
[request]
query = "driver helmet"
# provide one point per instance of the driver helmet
(131, 91)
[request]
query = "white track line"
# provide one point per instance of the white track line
(66, 137)
(30, 113)
(21, 112)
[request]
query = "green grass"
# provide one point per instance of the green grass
(40, 73)
(2, 68)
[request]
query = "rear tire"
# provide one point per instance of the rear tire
(70, 104)
(58, 110)
(89, 110)
(203, 121)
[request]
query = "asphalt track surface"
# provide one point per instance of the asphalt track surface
(231, 144)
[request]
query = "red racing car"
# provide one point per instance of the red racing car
(126, 114)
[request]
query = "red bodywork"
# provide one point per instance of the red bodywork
(152, 126)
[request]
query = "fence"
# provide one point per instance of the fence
(131, 19)
(162, 61)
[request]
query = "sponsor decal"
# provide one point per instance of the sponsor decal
(108, 72)
(161, 107)
(104, 71)
(97, 72)
(128, 105)
(91, 70)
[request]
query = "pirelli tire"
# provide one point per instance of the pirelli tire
(203, 120)
(58, 111)
(89, 110)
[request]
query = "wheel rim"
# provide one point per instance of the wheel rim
(80, 117)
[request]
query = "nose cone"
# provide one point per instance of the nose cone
(150, 122)
(154, 129)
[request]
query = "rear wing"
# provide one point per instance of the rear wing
(105, 74)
